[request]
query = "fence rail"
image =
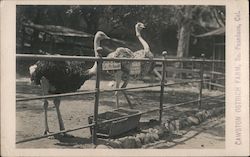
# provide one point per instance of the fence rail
(97, 90)
(86, 58)
(107, 90)
(114, 119)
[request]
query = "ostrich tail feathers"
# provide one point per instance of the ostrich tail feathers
(32, 69)
(122, 52)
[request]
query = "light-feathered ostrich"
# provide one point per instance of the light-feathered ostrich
(124, 73)
(57, 77)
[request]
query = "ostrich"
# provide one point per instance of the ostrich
(57, 77)
(124, 73)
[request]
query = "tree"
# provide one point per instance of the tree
(189, 19)
(118, 21)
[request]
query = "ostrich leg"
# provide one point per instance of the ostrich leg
(45, 106)
(157, 74)
(57, 105)
(125, 94)
(45, 88)
(118, 81)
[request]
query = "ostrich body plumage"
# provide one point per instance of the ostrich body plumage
(63, 76)
(125, 65)
(146, 67)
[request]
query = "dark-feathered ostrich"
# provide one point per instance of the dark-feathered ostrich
(124, 74)
(57, 77)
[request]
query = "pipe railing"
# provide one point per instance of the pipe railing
(85, 93)
(86, 58)
(97, 90)
(108, 90)
(115, 119)
(55, 96)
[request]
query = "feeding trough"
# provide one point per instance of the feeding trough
(117, 127)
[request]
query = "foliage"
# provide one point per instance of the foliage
(118, 21)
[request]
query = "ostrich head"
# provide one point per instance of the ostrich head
(97, 49)
(100, 36)
(138, 27)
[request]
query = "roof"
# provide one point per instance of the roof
(59, 30)
(67, 32)
(219, 31)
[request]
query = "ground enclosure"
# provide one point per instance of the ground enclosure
(153, 100)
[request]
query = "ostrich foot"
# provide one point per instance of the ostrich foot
(48, 133)
(66, 135)
(131, 106)
(63, 136)
(178, 133)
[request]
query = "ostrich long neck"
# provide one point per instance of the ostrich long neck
(143, 42)
(92, 71)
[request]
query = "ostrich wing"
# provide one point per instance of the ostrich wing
(143, 54)
(122, 53)
(62, 75)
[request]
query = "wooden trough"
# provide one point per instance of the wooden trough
(116, 127)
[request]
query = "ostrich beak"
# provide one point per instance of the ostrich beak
(143, 26)
(106, 37)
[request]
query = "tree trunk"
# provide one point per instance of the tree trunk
(183, 44)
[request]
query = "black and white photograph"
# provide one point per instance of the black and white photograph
(180, 107)
(126, 76)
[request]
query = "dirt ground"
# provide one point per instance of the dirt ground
(209, 135)
(75, 111)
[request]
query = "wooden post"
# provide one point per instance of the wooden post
(212, 76)
(213, 66)
(97, 94)
(193, 57)
(164, 53)
(192, 74)
(201, 77)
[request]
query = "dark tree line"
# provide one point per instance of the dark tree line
(168, 27)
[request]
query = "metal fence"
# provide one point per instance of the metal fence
(97, 90)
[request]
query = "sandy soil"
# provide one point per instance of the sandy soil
(75, 111)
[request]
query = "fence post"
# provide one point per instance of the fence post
(201, 77)
(97, 94)
(164, 53)
(193, 57)
(212, 76)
